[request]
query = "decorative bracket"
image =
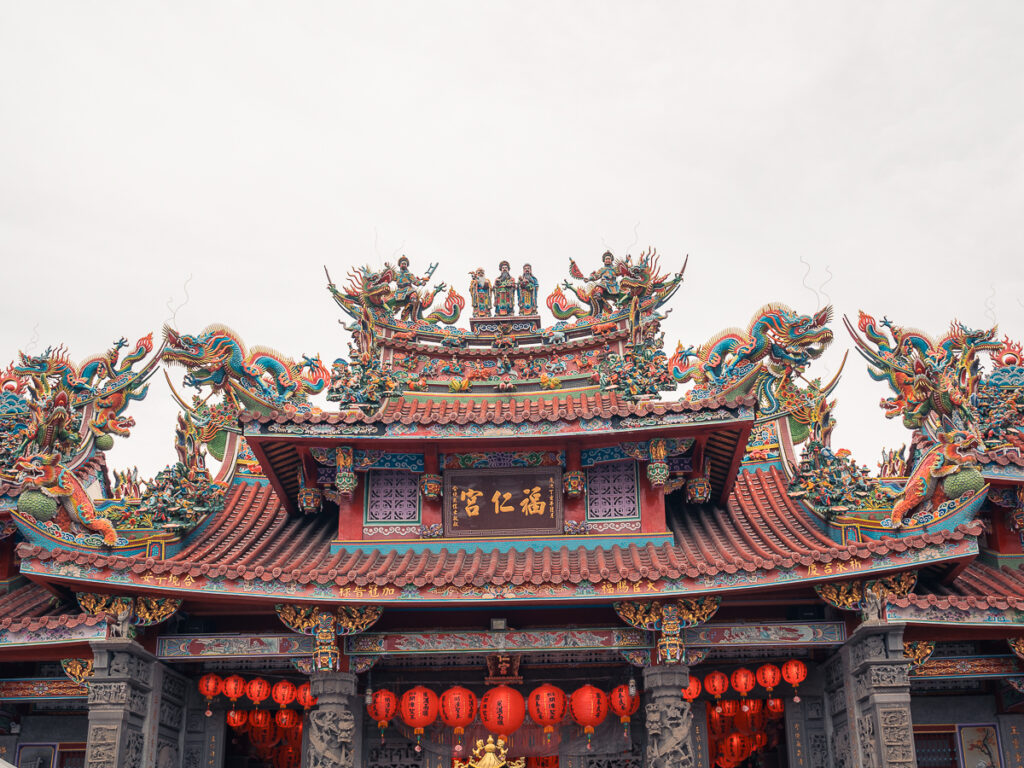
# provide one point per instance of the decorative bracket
(918, 651)
(77, 670)
(669, 619)
(326, 626)
(869, 597)
(138, 611)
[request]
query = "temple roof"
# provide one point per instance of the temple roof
(547, 406)
(979, 585)
(254, 539)
(32, 607)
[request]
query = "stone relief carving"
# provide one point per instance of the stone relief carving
(167, 755)
(866, 735)
(330, 738)
(889, 675)
(133, 749)
(871, 647)
(818, 746)
(196, 722)
(170, 714)
(108, 693)
(193, 756)
(814, 707)
(669, 723)
(174, 686)
(841, 748)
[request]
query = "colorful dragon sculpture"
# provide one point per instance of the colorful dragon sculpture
(369, 295)
(616, 285)
(776, 347)
(260, 378)
(927, 376)
(47, 484)
(947, 471)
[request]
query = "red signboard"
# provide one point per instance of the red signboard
(503, 501)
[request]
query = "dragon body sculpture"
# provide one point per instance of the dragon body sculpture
(43, 472)
(218, 358)
(776, 347)
(945, 472)
(927, 376)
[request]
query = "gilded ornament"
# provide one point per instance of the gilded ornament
(844, 595)
(77, 670)
(490, 754)
(918, 651)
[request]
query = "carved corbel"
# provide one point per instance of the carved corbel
(918, 651)
(138, 611)
(870, 596)
(669, 619)
(77, 670)
(326, 626)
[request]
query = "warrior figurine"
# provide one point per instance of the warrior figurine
(504, 292)
(406, 284)
(607, 276)
(480, 293)
(527, 291)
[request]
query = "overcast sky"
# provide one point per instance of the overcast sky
(877, 145)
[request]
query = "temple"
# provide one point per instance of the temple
(532, 540)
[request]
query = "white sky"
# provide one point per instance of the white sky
(247, 144)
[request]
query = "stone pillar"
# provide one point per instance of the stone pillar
(136, 709)
(669, 719)
(332, 738)
(868, 692)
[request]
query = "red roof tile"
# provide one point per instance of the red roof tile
(977, 586)
(33, 606)
(546, 406)
(255, 538)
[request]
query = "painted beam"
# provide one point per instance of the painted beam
(40, 688)
(952, 667)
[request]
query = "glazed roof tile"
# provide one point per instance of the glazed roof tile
(979, 585)
(255, 539)
(541, 406)
(32, 607)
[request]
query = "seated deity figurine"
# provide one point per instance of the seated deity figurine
(504, 292)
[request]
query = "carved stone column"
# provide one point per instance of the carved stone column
(136, 709)
(669, 719)
(333, 739)
(867, 688)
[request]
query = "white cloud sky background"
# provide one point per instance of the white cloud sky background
(248, 144)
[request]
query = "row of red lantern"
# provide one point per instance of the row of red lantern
(277, 738)
(257, 719)
(502, 709)
(257, 690)
(731, 750)
(743, 680)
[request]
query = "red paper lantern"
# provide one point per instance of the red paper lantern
(716, 684)
(760, 740)
(589, 707)
(794, 672)
(736, 747)
(283, 693)
(776, 707)
(729, 707)
(286, 718)
(718, 723)
(768, 676)
(257, 690)
(623, 703)
(692, 689)
(742, 681)
(265, 735)
(751, 705)
(210, 685)
(259, 718)
(382, 707)
(418, 708)
(238, 718)
(458, 708)
(547, 704)
(502, 710)
(305, 697)
(234, 688)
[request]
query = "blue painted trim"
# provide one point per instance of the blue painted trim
(503, 544)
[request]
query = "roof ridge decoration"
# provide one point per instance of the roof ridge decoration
(128, 611)
(939, 393)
